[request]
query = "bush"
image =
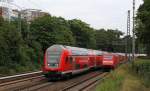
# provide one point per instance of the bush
(141, 67)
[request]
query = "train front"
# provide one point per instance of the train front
(109, 61)
(52, 61)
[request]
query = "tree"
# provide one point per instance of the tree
(49, 30)
(15, 53)
(83, 34)
(116, 44)
(23, 25)
(143, 25)
(109, 40)
(101, 39)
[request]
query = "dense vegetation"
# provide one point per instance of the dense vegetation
(15, 53)
(110, 40)
(22, 49)
(143, 25)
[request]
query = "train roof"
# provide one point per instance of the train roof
(76, 50)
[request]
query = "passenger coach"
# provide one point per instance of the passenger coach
(60, 60)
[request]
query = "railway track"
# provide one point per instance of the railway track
(2, 75)
(12, 83)
(40, 83)
(66, 85)
(18, 77)
(58, 85)
(85, 84)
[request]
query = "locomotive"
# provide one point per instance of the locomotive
(112, 60)
(61, 60)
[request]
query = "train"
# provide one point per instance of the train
(61, 61)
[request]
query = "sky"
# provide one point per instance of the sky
(108, 14)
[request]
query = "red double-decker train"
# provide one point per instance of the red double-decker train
(61, 60)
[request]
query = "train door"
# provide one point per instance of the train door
(91, 62)
(72, 62)
(75, 64)
(68, 64)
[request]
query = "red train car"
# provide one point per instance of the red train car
(60, 60)
(110, 60)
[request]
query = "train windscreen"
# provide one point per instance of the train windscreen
(53, 56)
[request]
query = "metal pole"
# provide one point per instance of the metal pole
(129, 46)
(127, 40)
(133, 39)
(19, 22)
(19, 16)
(128, 36)
(28, 29)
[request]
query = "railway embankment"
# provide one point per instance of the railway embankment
(128, 77)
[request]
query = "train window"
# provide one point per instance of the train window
(85, 66)
(108, 57)
(71, 59)
(67, 59)
(76, 52)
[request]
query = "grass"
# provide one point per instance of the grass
(113, 82)
(108, 84)
(128, 77)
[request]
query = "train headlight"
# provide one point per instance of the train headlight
(53, 64)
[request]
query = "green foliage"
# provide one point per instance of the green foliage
(10, 43)
(49, 30)
(15, 54)
(101, 39)
(83, 34)
(143, 25)
(109, 40)
(24, 27)
(114, 80)
(110, 83)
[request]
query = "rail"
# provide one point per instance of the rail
(18, 77)
(73, 86)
